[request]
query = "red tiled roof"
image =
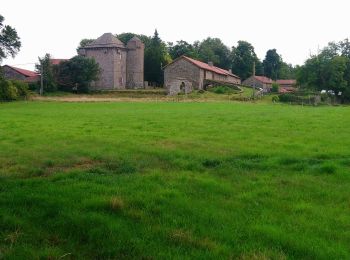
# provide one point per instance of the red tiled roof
(32, 79)
(206, 66)
(287, 89)
(57, 61)
(286, 81)
(27, 73)
(264, 79)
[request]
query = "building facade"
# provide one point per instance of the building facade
(122, 66)
(287, 85)
(262, 82)
(185, 75)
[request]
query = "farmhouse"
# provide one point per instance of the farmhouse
(121, 66)
(185, 74)
(14, 73)
(262, 82)
(287, 85)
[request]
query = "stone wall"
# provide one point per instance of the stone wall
(112, 62)
(135, 64)
(253, 82)
(182, 71)
(233, 80)
(179, 85)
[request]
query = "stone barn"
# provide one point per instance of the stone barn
(185, 74)
(262, 82)
(122, 66)
(14, 73)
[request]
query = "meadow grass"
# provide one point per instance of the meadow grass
(174, 180)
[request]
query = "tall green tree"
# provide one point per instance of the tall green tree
(48, 73)
(84, 42)
(156, 57)
(214, 50)
(286, 71)
(244, 59)
(125, 37)
(78, 72)
(10, 43)
(181, 48)
(272, 64)
(328, 70)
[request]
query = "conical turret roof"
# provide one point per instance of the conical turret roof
(135, 38)
(106, 40)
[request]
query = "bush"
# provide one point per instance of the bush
(8, 91)
(221, 90)
(275, 88)
(22, 88)
(275, 99)
(287, 98)
(34, 86)
(13, 90)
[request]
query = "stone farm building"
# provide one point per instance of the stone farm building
(14, 73)
(287, 85)
(122, 66)
(262, 82)
(185, 75)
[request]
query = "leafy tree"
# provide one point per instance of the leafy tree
(125, 37)
(328, 70)
(213, 49)
(287, 71)
(243, 60)
(84, 42)
(272, 64)
(181, 48)
(48, 73)
(10, 43)
(78, 72)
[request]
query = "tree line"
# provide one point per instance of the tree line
(240, 58)
(328, 70)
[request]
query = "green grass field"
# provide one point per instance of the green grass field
(162, 180)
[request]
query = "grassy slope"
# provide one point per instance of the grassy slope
(174, 180)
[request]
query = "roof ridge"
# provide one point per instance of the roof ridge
(206, 66)
(106, 40)
(25, 72)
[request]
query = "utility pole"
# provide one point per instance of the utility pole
(41, 78)
(254, 80)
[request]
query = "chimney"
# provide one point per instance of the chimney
(210, 63)
(230, 71)
(254, 69)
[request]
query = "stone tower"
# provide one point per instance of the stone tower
(121, 66)
(135, 63)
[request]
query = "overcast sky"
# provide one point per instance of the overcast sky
(294, 27)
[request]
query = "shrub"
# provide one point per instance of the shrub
(221, 90)
(34, 86)
(275, 99)
(22, 88)
(287, 98)
(8, 91)
(275, 88)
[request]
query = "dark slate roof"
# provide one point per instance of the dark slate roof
(106, 40)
